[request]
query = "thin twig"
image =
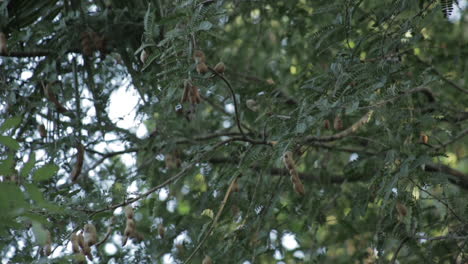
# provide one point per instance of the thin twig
(215, 220)
(439, 200)
(109, 231)
(393, 261)
(459, 136)
(233, 98)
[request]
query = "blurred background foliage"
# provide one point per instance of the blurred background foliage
(370, 97)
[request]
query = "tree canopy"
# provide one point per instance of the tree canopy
(211, 131)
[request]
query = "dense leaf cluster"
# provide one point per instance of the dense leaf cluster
(368, 97)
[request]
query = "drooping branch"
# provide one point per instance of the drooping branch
(460, 179)
(236, 111)
(215, 220)
(350, 130)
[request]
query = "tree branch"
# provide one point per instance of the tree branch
(233, 98)
(215, 220)
(353, 128)
(461, 179)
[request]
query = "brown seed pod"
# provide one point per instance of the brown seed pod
(48, 244)
(401, 209)
(90, 235)
(207, 260)
(87, 252)
(202, 68)
(195, 95)
(288, 161)
(3, 43)
(180, 248)
(252, 105)
(130, 230)
(143, 56)
(199, 56)
(42, 131)
(187, 88)
(51, 96)
(80, 240)
(291, 166)
(87, 46)
(338, 123)
(74, 243)
(129, 214)
(100, 44)
(235, 186)
(424, 138)
(326, 124)
(161, 230)
(220, 67)
(79, 162)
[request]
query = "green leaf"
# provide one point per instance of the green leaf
(10, 123)
(29, 165)
(40, 234)
(9, 142)
(45, 172)
(7, 166)
(205, 25)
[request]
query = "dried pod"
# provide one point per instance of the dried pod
(338, 123)
(291, 166)
(199, 56)
(202, 68)
(298, 186)
(401, 209)
(220, 67)
(42, 131)
(51, 96)
(187, 88)
(79, 162)
(48, 244)
(87, 46)
(326, 124)
(270, 81)
(252, 105)
(100, 43)
(129, 212)
(3, 43)
(195, 95)
(207, 260)
(424, 138)
(130, 230)
(80, 240)
(235, 186)
(74, 243)
(161, 230)
(87, 252)
(288, 161)
(89, 235)
(180, 248)
(143, 56)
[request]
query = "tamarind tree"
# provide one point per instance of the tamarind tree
(211, 131)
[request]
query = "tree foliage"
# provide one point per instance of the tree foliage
(335, 134)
